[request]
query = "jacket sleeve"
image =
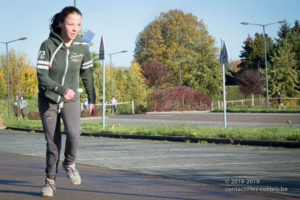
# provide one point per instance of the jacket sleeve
(86, 73)
(42, 68)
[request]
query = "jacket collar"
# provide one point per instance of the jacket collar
(57, 39)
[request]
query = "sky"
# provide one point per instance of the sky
(119, 22)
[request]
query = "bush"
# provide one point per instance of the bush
(85, 113)
(139, 109)
(290, 102)
(179, 99)
(33, 115)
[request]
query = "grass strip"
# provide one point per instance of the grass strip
(250, 109)
(275, 133)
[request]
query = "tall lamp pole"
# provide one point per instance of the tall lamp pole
(110, 63)
(8, 96)
(265, 52)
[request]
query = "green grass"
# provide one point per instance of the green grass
(278, 133)
(32, 105)
(251, 109)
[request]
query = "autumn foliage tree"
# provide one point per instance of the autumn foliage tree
(22, 77)
(3, 84)
(178, 39)
(155, 73)
(138, 90)
(128, 83)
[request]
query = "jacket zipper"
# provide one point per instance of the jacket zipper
(66, 69)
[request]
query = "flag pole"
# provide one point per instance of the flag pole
(103, 95)
(101, 57)
(224, 92)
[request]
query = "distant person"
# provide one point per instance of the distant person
(86, 103)
(101, 101)
(101, 104)
(279, 99)
(17, 106)
(62, 59)
(113, 103)
(23, 105)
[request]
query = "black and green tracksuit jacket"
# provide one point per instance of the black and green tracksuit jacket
(59, 67)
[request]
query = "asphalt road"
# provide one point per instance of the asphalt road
(204, 119)
(231, 167)
(21, 178)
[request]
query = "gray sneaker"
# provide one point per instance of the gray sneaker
(48, 188)
(72, 174)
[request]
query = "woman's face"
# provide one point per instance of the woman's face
(70, 27)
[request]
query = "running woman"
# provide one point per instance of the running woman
(61, 61)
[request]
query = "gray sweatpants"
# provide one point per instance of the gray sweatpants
(50, 115)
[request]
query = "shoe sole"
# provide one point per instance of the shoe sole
(47, 195)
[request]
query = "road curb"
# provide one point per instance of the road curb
(269, 143)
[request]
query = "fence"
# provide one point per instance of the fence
(121, 103)
(260, 102)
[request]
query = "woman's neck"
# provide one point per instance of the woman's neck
(69, 43)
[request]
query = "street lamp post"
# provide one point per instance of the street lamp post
(265, 52)
(7, 68)
(111, 81)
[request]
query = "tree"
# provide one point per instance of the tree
(283, 73)
(29, 81)
(202, 71)
(138, 90)
(120, 80)
(245, 53)
(231, 72)
(284, 30)
(250, 82)
(291, 35)
(176, 38)
(3, 84)
(155, 73)
(252, 55)
(22, 77)
(128, 83)
(296, 28)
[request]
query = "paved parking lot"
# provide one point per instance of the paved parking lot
(272, 169)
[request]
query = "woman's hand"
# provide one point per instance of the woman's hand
(69, 94)
(92, 109)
